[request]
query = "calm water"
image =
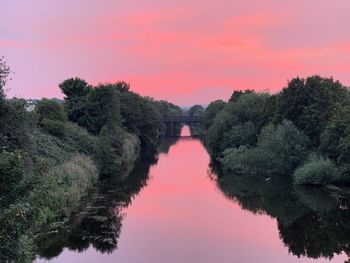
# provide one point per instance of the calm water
(184, 215)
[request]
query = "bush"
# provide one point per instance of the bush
(81, 140)
(317, 170)
(285, 146)
(280, 149)
(11, 173)
(16, 124)
(62, 187)
(211, 111)
(50, 109)
(110, 151)
(244, 161)
(247, 112)
(55, 128)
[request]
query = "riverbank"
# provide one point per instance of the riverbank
(53, 156)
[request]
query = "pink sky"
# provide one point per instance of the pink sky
(184, 51)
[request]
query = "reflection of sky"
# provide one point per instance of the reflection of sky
(182, 217)
(180, 50)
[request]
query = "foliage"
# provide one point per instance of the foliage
(103, 108)
(310, 103)
(16, 123)
(54, 196)
(237, 93)
(76, 91)
(51, 110)
(237, 124)
(196, 110)
(11, 174)
(55, 128)
(211, 111)
(113, 105)
(317, 170)
(280, 148)
(140, 117)
(4, 73)
(111, 143)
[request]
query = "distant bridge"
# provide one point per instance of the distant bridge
(182, 119)
(172, 121)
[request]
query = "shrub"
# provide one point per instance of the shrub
(50, 109)
(317, 170)
(280, 149)
(11, 173)
(110, 150)
(55, 128)
(63, 186)
(243, 161)
(247, 112)
(16, 124)
(285, 146)
(81, 140)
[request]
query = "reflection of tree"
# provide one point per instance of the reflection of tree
(99, 221)
(312, 223)
(167, 143)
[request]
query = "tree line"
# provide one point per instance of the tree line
(301, 132)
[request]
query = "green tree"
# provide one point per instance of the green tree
(238, 123)
(237, 93)
(140, 117)
(16, 124)
(111, 145)
(317, 170)
(280, 148)
(310, 104)
(51, 110)
(211, 111)
(103, 108)
(76, 101)
(196, 110)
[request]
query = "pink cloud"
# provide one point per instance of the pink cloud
(176, 50)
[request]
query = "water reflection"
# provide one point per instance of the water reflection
(99, 222)
(184, 215)
(311, 222)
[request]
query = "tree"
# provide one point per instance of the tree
(211, 111)
(51, 110)
(76, 100)
(280, 148)
(238, 124)
(103, 108)
(140, 117)
(237, 93)
(4, 73)
(16, 124)
(195, 110)
(310, 103)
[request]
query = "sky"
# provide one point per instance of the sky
(183, 51)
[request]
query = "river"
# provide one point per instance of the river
(182, 214)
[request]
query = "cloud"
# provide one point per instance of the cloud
(176, 50)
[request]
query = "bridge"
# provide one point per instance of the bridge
(175, 122)
(182, 119)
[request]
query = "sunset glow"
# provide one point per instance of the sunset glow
(183, 51)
